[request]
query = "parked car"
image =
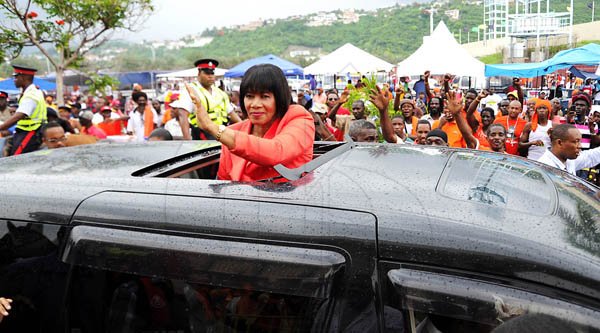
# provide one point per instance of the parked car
(365, 238)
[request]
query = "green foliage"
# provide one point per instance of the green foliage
(389, 33)
(355, 94)
(101, 83)
(71, 28)
(495, 58)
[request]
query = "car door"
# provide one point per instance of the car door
(32, 275)
(195, 263)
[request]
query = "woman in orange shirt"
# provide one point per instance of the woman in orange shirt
(274, 133)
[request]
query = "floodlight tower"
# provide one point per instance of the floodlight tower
(533, 18)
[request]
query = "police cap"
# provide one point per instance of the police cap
(209, 64)
(20, 70)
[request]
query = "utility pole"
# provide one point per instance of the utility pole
(431, 20)
(571, 26)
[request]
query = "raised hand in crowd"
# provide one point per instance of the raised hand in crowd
(320, 128)
(4, 307)
(399, 89)
(455, 107)
(381, 102)
(343, 99)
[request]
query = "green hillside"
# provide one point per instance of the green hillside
(389, 33)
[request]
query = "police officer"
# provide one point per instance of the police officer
(214, 100)
(30, 115)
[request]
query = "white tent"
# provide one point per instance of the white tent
(348, 59)
(187, 73)
(440, 53)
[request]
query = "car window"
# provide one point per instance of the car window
(32, 275)
(495, 180)
(435, 302)
(110, 301)
(148, 282)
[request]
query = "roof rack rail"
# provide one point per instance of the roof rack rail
(297, 173)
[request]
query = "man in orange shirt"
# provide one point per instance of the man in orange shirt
(454, 114)
(111, 126)
(514, 127)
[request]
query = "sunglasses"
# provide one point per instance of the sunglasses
(333, 99)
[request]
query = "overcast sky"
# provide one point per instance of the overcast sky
(173, 19)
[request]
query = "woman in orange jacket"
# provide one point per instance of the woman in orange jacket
(274, 133)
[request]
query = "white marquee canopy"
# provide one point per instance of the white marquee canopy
(440, 53)
(348, 59)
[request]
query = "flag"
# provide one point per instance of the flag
(569, 9)
(474, 29)
(482, 26)
(590, 5)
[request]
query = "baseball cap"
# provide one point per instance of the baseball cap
(86, 115)
(584, 97)
(319, 108)
(179, 104)
(406, 100)
(513, 94)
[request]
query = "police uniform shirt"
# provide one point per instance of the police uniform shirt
(187, 104)
(27, 105)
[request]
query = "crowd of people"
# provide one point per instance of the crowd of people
(499, 121)
(535, 128)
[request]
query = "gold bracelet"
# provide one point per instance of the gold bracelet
(222, 129)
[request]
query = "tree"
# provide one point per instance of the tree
(64, 31)
(101, 84)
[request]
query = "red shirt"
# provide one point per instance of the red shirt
(343, 111)
(289, 141)
(512, 143)
(95, 131)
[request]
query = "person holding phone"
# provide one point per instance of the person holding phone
(516, 87)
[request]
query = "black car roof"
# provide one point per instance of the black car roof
(425, 208)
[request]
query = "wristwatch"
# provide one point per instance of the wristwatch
(222, 129)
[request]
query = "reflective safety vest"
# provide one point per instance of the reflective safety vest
(39, 115)
(216, 106)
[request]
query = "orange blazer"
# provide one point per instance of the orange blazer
(289, 141)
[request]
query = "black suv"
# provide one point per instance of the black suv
(364, 238)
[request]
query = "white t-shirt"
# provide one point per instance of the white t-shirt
(586, 159)
(174, 128)
(492, 101)
(135, 125)
(541, 133)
